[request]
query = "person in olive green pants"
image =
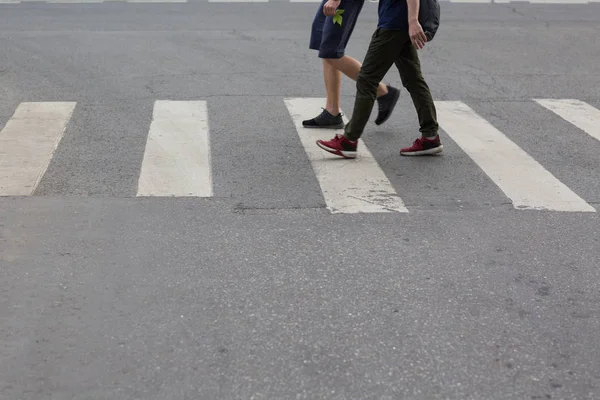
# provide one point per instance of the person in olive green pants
(395, 41)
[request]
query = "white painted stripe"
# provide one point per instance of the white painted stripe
(72, 1)
(470, 1)
(177, 158)
(544, 1)
(305, 1)
(156, 1)
(558, 1)
(27, 144)
(517, 174)
(578, 113)
(349, 186)
(238, 1)
(10, 1)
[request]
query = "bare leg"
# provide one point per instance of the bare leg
(332, 74)
(350, 67)
(333, 87)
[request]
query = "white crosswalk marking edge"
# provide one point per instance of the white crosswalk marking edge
(177, 158)
(349, 186)
(28, 142)
(578, 113)
(518, 175)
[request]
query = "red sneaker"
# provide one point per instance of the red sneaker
(339, 146)
(423, 146)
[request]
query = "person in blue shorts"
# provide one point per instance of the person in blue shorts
(329, 36)
(398, 37)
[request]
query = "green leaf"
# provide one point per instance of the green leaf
(337, 18)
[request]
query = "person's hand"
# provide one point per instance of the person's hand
(330, 7)
(417, 36)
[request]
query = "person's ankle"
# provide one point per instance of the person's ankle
(333, 111)
(385, 91)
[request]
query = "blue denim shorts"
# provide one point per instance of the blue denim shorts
(329, 38)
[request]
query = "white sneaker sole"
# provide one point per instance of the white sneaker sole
(345, 154)
(423, 152)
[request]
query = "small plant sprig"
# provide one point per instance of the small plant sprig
(337, 18)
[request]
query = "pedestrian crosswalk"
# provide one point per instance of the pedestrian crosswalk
(363, 188)
(178, 160)
(177, 157)
(578, 113)
(27, 143)
(518, 175)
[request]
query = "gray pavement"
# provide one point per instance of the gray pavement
(260, 292)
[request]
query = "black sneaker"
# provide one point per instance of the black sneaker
(325, 120)
(386, 104)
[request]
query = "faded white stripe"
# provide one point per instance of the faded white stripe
(558, 1)
(73, 1)
(470, 1)
(349, 186)
(238, 1)
(544, 1)
(28, 142)
(578, 113)
(177, 157)
(517, 174)
(156, 1)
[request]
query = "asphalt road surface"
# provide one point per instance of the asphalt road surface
(166, 231)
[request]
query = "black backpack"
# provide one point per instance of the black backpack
(429, 17)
